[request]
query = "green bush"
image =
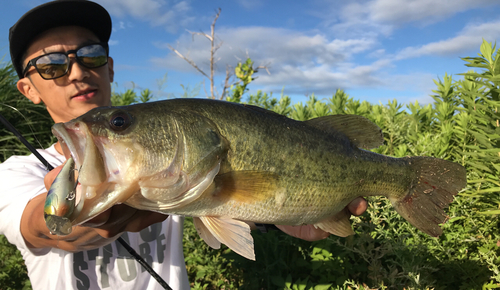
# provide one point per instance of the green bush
(32, 121)
(462, 124)
(13, 274)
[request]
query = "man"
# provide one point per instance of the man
(60, 52)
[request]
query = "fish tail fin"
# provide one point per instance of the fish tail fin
(436, 183)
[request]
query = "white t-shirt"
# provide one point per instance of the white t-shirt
(108, 267)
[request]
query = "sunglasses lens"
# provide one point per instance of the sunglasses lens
(92, 56)
(56, 64)
(52, 65)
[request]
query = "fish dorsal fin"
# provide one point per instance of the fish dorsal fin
(264, 111)
(361, 132)
(338, 224)
(245, 186)
(233, 233)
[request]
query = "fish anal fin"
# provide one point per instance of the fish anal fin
(233, 233)
(205, 234)
(245, 186)
(361, 132)
(338, 224)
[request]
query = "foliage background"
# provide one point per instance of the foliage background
(461, 124)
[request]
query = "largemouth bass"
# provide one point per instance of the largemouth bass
(224, 163)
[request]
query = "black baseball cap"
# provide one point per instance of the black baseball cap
(83, 13)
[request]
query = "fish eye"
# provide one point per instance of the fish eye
(120, 121)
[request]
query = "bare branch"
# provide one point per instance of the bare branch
(263, 67)
(226, 82)
(199, 33)
(212, 52)
(205, 89)
(188, 60)
(219, 45)
(213, 49)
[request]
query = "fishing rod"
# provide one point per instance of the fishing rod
(137, 257)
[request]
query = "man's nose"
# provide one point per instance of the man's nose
(75, 70)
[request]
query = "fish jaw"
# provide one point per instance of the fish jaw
(77, 142)
(69, 142)
(100, 185)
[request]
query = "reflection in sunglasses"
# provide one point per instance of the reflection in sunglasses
(56, 64)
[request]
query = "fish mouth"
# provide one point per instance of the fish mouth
(69, 141)
(96, 192)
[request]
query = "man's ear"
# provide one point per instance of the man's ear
(110, 69)
(26, 87)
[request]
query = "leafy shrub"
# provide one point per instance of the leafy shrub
(13, 273)
(32, 121)
(462, 125)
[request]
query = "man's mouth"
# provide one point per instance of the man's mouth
(84, 95)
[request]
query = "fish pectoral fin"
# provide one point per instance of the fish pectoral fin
(205, 234)
(233, 233)
(245, 186)
(338, 224)
(361, 132)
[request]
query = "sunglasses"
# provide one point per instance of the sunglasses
(56, 64)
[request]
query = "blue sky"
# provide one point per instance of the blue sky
(376, 50)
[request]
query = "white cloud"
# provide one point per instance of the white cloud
(470, 38)
(403, 11)
(382, 17)
(297, 60)
(137, 9)
(422, 80)
(277, 46)
(250, 4)
(157, 12)
(320, 62)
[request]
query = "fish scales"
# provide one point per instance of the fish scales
(224, 163)
(314, 167)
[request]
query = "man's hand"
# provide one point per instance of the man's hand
(97, 232)
(310, 233)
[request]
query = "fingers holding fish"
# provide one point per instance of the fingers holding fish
(358, 206)
(37, 235)
(310, 233)
(122, 218)
(61, 183)
(305, 232)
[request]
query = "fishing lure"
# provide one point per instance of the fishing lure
(61, 200)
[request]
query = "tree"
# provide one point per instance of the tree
(242, 71)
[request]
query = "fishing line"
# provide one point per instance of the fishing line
(11, 128)
(137, 257)
(27, 122)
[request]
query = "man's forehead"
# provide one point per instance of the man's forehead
(58, 38)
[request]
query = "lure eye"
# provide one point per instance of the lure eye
(120, 121)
